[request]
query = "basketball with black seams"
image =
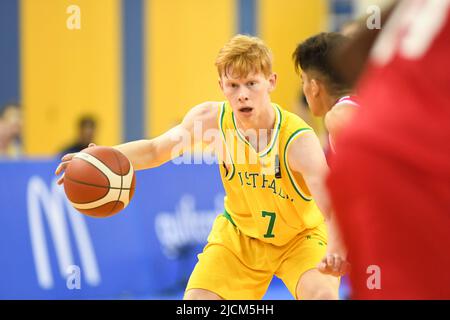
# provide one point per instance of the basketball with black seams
(99, 181)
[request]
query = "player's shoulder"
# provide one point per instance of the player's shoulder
(341, 111)
(205, 111)
(347, 101)
(291, 124)
(340, 114)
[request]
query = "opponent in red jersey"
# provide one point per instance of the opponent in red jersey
(339, 116)
(327, 94)
(390, 179)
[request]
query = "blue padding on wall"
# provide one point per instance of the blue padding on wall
(133, 70)
(247, 17)
(9, 52)
(148, 248)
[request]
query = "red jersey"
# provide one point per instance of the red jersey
(348, 100)
(390, 180)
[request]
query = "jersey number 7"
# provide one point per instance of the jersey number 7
(272, 216)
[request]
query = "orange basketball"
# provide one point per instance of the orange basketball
(99, 181)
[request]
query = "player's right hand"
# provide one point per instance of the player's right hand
(334, 264)
(65, 160)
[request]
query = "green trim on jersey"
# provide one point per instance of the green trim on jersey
(296, 187)
(269, 147)
(277, 128)
(222, 115)
(237, 130)
(227, 215)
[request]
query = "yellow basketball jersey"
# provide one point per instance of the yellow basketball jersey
(264, 198)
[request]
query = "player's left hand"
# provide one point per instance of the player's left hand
(334, 264)
(65, 160)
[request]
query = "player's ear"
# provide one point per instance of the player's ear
(220, 83)
(272, 81)
(315, 87)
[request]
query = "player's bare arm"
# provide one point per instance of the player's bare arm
(307, 158)
(150, 153)
(145, 154)
(338, 118)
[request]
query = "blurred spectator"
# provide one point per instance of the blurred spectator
(86, 134)
(10, 131)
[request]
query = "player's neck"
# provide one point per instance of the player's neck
(264, 120)
(263, 124)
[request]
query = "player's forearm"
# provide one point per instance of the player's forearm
(335, 241)
(141, 153)
(322, 199)
(316, 185)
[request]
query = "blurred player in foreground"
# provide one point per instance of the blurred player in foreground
(272, 167)
(394, 159)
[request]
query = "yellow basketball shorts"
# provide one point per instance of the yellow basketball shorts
(237, 267)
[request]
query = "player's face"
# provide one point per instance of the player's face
(248, 95)
(311, 92)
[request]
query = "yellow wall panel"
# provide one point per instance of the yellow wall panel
(183, 38)
(282, 25)
(66, 73)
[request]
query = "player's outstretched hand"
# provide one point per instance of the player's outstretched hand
(65, 160)
(334, 265)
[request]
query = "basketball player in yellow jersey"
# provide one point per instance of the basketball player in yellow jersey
(271, 164)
